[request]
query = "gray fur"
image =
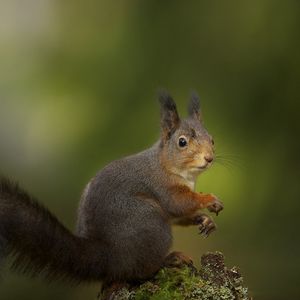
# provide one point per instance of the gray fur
(141, 235)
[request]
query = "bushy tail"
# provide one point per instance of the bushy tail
(40, 244)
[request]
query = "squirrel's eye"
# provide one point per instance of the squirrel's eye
(182, 142)
(212, 141)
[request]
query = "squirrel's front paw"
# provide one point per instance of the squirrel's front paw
(206, 224)
(216, 206)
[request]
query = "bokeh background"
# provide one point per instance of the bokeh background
(78, 83)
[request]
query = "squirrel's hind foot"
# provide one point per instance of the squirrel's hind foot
(177, 260)
(109, 290)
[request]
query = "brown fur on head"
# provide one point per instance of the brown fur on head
(186, 147)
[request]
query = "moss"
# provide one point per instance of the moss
(214, 281)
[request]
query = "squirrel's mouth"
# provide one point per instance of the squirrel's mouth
(203, 167)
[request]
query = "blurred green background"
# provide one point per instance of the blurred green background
(78, 84)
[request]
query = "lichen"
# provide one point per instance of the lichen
(212, 282)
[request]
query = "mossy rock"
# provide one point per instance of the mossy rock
(214, 281)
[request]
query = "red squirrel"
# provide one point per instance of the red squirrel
(125, 214)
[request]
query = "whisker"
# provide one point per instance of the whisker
(231, 156)
(227, 167)
(232, 163)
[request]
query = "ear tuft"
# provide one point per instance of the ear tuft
(194, 109)
(169, 116)
(166, 101)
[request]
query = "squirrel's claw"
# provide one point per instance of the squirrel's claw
(207, 230)
(206, 225)
(216, 206)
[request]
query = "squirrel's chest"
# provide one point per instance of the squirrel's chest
(191, 185)
(189, 180)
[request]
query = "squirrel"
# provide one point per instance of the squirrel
(123, 231)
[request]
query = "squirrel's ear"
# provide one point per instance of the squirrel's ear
(169, 117)
(194, 107)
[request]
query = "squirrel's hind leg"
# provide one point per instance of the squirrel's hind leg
(141, 243)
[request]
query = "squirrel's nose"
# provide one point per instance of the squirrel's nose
(209, 158)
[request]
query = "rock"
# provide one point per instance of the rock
(214, 281)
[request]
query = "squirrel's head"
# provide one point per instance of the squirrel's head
(186, 147)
